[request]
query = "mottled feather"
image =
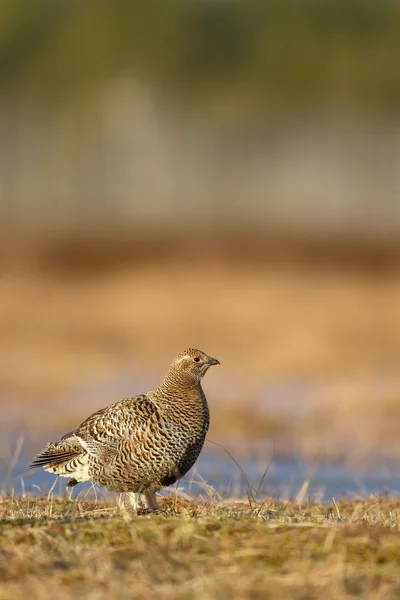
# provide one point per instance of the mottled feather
(142, 443)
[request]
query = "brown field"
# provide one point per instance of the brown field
(309, 341)
(257, 550)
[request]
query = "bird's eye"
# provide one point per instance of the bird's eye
(196, 359)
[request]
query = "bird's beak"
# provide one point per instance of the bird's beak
(213, 361)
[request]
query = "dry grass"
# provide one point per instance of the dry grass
(52, 547)
(68, 340)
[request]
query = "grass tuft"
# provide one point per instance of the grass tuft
(199, 549)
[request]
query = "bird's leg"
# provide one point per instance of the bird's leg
(151, 502)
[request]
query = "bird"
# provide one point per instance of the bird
(139, 444)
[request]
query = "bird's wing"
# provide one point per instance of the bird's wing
(104, 429)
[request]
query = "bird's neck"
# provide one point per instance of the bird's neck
(178, 385)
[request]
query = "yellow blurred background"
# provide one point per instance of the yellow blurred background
(223, 175)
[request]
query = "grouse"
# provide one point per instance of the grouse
(139, 444)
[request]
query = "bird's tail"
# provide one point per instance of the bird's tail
(56, 453)
(67, 458)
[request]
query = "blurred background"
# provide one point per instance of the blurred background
(207, 173)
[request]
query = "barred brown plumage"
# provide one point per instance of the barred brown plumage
(139, 444)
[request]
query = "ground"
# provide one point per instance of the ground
(309, 357)
(199, 549)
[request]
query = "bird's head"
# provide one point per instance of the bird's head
(193, 363)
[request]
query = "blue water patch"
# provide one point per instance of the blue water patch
(217, 475)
